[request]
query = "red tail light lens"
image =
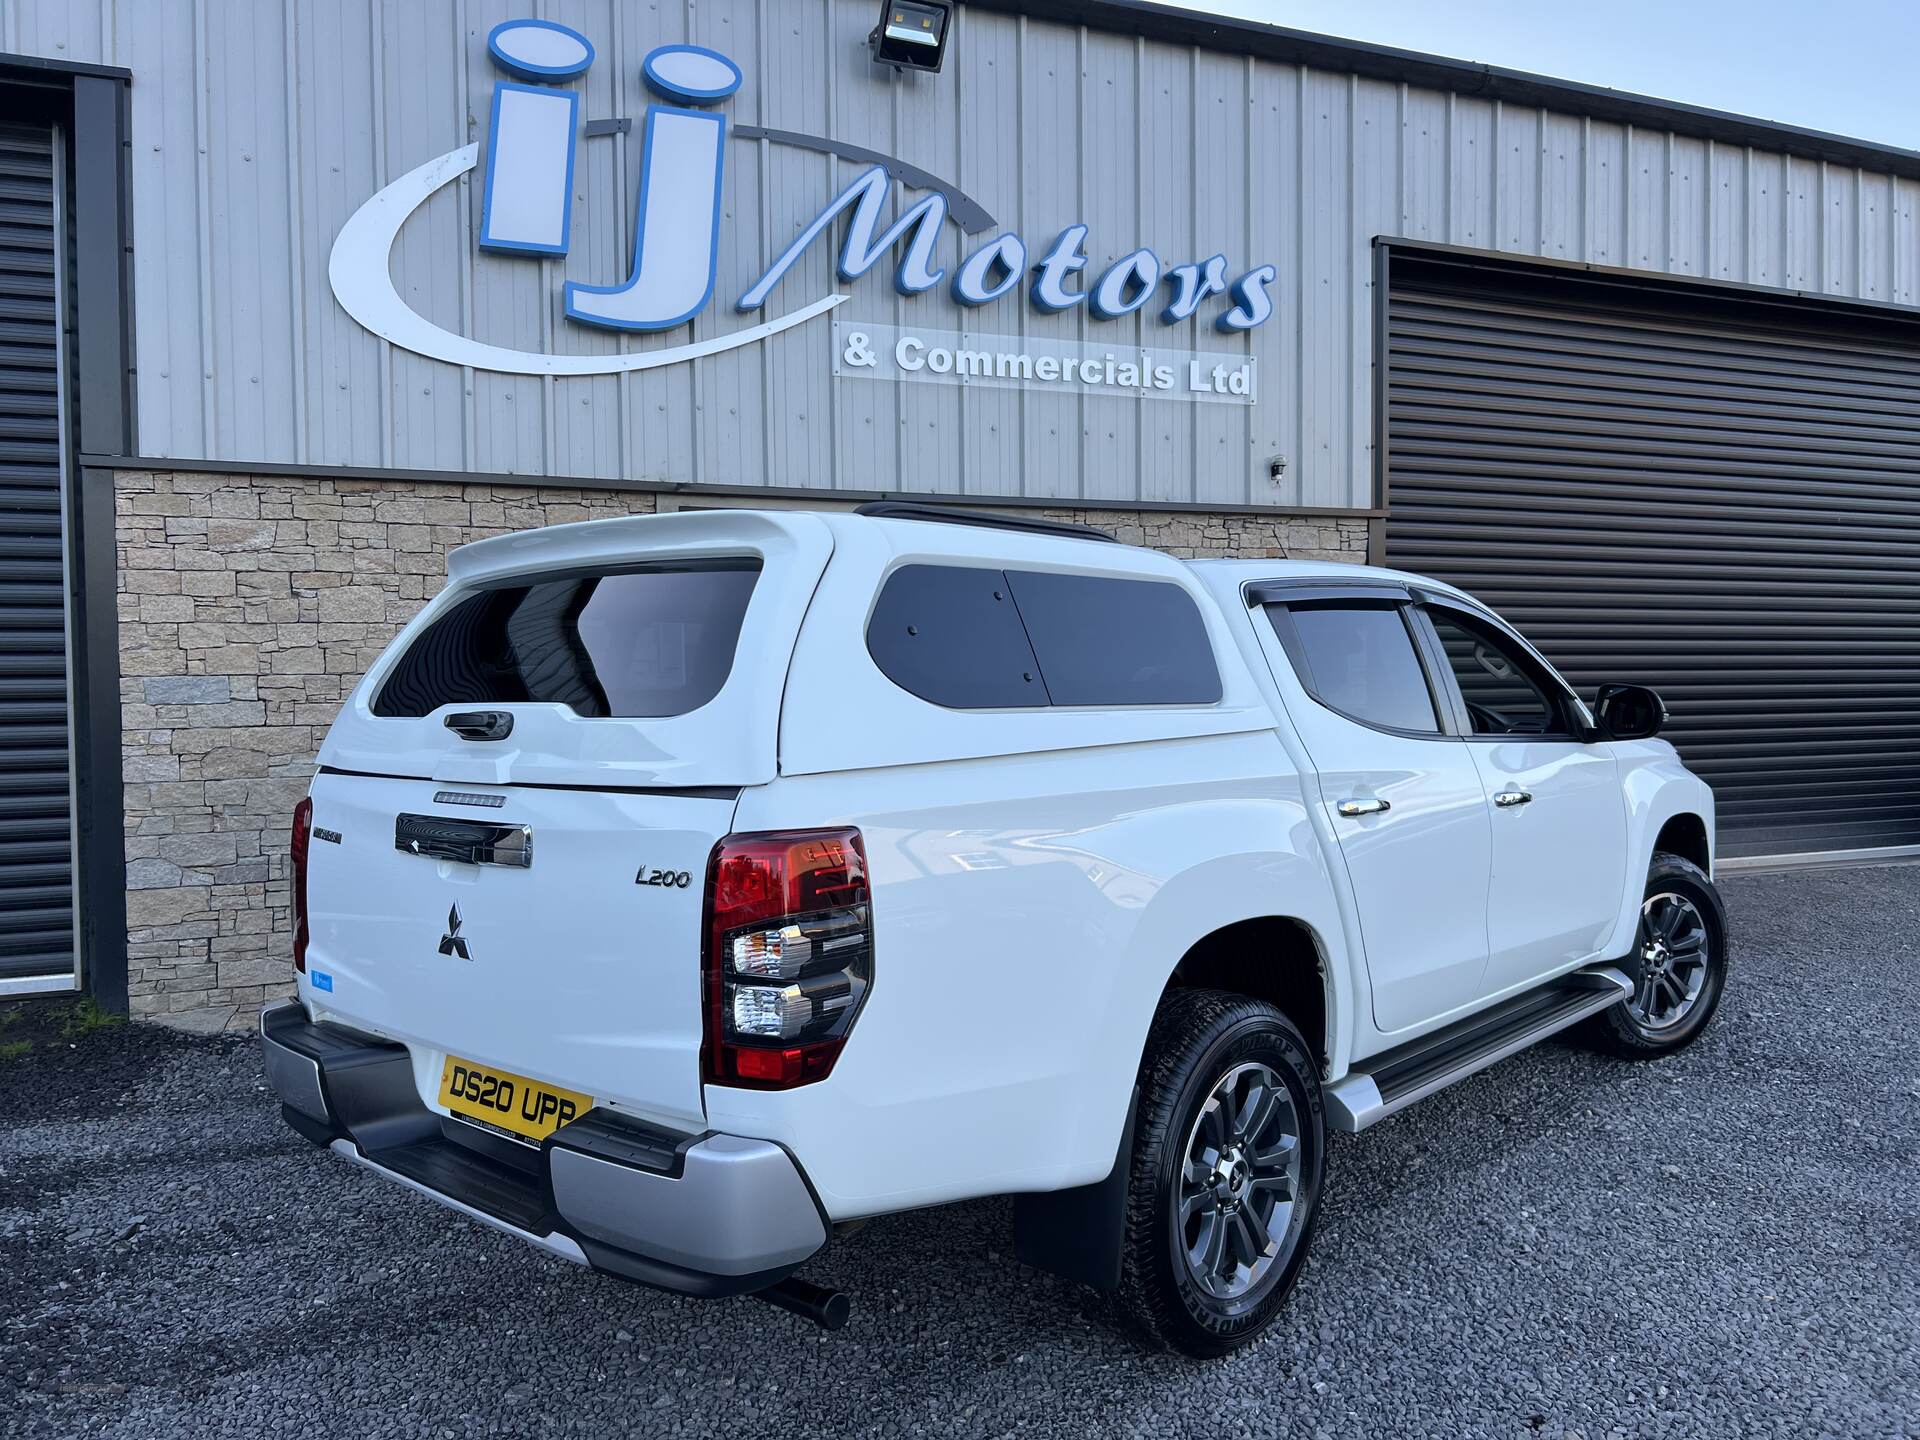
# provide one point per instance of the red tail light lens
(302, 838)
(789, 955)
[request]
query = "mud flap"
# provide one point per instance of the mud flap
(1077, 1234)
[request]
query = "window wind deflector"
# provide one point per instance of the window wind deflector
(1465, 604)
(1294, 592)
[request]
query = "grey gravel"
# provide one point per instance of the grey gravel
(1723, 1243)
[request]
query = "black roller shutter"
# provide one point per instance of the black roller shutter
(36, 842)
(1714, 493)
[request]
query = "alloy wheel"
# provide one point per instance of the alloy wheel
(1239, 1184)
(1674, 962)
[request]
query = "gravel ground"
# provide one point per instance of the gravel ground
(1724, 1243)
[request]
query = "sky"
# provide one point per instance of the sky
(1847, 66)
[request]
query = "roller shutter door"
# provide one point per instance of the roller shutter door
(36, 840)
(1713, 493)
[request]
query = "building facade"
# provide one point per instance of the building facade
(300, 295)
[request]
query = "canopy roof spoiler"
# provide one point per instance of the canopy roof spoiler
(674, 535)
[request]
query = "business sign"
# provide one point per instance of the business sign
(1019, 362)
(534, 133)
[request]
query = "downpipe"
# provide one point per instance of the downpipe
(826, 1308)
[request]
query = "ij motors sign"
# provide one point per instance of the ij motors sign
(534, 134)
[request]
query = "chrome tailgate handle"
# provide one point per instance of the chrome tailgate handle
(470, 842)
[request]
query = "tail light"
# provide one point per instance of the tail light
(302, 838)
(789, 955)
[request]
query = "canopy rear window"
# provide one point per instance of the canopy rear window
(638, 641)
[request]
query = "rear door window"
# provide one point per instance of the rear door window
(647, 641)
(1359, 660)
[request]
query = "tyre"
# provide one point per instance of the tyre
(1227, 1166)
(1678, 966)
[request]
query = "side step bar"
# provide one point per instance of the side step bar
(1397, 1078)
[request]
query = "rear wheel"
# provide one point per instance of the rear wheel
(1228, 1158)
(1678, 965)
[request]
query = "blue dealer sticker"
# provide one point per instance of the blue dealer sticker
(322, 980)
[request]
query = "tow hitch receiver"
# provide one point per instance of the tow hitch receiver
(826, 1308)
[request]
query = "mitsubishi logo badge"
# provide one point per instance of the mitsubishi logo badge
(453, 942)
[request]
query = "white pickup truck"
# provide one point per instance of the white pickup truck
(678, 889)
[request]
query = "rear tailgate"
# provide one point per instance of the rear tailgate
(572, 970)
(515, 808)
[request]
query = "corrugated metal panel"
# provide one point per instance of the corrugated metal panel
(260, 125)
(1719, 497)
(36, 856)
(1109, 104)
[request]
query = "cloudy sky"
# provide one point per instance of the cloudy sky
(1849, 66)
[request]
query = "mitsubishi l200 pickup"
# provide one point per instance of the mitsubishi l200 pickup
(675, 890)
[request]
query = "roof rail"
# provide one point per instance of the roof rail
(991, 519)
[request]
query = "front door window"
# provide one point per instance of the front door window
(1559, 823)
(1502, 697)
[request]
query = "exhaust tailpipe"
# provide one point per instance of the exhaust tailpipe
(826, 1308)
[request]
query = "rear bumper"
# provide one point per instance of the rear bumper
(706, 1214)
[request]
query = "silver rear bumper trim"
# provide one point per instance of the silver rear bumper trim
(737, 1207)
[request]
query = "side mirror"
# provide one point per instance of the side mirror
(1629, 712)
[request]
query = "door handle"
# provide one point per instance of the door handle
(1354, 808)
(1507, 799)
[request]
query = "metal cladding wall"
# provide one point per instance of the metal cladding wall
(1714, 494)
(36, 823)
(260, 125)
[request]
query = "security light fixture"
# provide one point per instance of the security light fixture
(911, 35)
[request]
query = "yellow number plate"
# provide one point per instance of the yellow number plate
(513, 1102)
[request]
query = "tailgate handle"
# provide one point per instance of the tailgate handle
(481, 724)
(471, 842)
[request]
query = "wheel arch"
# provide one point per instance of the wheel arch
(1685, 834)
(1276, 958)
(1279, 958)
(1668, 807)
